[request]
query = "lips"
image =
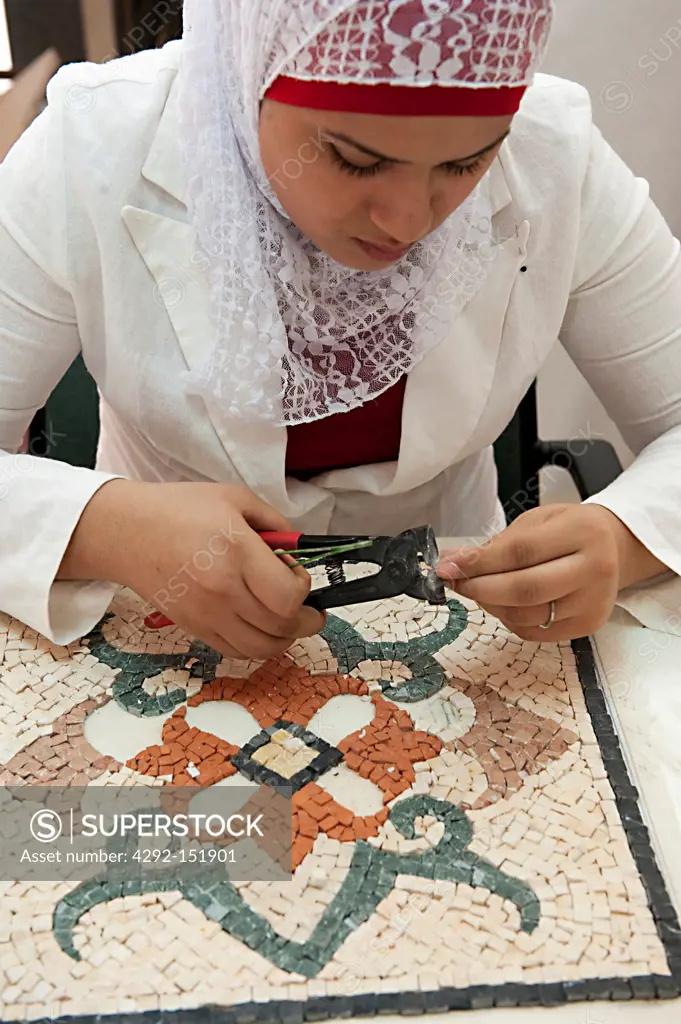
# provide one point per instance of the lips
(382, 253)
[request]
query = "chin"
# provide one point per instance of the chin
(359, 263)
(339, 253)
(341, 250)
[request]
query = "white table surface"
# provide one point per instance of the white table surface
(640, 670)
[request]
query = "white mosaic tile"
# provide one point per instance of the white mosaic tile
(341, 716)
(228, 721)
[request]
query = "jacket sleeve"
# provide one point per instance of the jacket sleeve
(622, 328)
(41, 501)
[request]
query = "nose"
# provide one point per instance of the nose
(403, 211)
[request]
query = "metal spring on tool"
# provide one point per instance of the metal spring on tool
(335, 571)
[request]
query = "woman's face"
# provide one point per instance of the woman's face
(365, 187)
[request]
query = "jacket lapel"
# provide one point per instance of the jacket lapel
(167, 243)
(447, 392)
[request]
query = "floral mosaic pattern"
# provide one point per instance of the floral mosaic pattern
(367, 751)
(456, 832)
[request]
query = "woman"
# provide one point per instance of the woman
(314, 255)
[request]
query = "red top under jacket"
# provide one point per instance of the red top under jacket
(362, 437)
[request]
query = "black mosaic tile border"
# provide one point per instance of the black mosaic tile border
(407, 1004)
(627, 800)
(648, 987)
(327, 757)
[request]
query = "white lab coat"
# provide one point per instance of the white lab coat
(97, 255)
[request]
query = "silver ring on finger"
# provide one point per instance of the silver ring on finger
(552, 616)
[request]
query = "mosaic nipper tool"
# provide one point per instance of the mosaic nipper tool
(407, 566)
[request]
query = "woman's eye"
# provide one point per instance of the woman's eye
(356, 169)
(368, 170)
(461, 169)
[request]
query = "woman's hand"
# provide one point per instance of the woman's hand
(578, 556)
(192, 551)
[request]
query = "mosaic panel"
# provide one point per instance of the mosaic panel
(465, 832)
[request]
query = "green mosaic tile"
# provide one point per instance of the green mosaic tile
(134, 669)
(370, 879)
(428, 677)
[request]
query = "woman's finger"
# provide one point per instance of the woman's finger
(276, 587)
(254, 643)
(264, 629)
(527, 588)
(260, 516)
(539, 536)
(570, 607)
(214, 640)
(309, 621)
(531, 618)
(243, 606)
(567, 629)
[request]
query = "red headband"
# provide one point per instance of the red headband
(398, 100)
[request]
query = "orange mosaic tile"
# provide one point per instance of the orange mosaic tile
(184, 746)
(315, 811)
(390, 741)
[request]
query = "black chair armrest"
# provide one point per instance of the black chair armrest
(593, 465)
(67, 429)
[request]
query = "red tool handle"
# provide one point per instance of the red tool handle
(157, 620)
(275, 541)
(282, 541)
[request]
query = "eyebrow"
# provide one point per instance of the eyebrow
(393, 160)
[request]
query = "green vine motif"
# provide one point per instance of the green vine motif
(345, 643)
(136, 668)
(428, 678)
(370, 879)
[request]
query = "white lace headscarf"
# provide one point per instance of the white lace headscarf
(298, 335)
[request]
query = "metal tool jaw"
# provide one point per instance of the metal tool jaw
(407, 566)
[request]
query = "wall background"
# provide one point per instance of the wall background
(99, 29)
(38, 25)
(628, 54)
